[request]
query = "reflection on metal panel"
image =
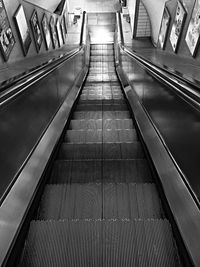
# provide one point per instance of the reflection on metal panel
(177, 121)
(23, 120)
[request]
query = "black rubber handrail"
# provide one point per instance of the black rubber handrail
(82, 27)
(189, 90)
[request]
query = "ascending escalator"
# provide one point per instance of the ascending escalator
(100, 206)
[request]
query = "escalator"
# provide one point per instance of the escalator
(100, 206)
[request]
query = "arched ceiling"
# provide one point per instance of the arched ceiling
(50, 5)
(155, 11)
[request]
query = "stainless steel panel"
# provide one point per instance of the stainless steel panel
(184, 208)
(177, 121)
(24, 119)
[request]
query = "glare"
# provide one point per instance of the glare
(101, 36)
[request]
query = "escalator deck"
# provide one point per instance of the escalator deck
(100, 207)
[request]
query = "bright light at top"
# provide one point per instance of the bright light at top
(101, 36)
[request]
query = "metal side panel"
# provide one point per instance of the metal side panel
(184, 208)
(18, 200)
(24, 119)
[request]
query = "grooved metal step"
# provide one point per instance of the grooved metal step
(103, 86)
(100, 115)
(131, 150)
(102, 77)
(101, 58)
(100, 100)
(117, 124)
(99, 136)
(102, 97)
(96, 171)
(100, 201)
(101, 70)
(101, 107)
(100, 52)
(101, 46)
(108, 243)
(102, 64)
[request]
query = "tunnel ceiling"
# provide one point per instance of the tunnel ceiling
(50, 5)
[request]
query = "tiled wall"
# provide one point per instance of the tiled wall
(143, 22)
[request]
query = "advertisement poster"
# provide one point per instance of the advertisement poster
(58, 29)
(37, 34)
(62, 23)
(46, 31)
(178, 24)
(193, 32)
(7, 40)
(53, 33)
(23, 30)
(163, 29)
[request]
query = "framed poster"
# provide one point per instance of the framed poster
(23, 30)
(58, 29)
(37, 34)
(63, 29)
(7, 40)
(54, 36)
(164, 28)
(65, 21)
(193, 31)
(46, 31)
(177, 26)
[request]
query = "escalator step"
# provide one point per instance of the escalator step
(100, 52)
(99, 136)
(108, 64)
(103, 86)
(101, 70)
(131, 201)
(96, 201)
(88, 171)
(100, 243)
(102, 58)
(101, 46)
(130, 171)
(101, 151)
(84, 115)
(101, 107)
(117, 124)
(100, 77)
(101, 100)
(71, 201)
(101, 97)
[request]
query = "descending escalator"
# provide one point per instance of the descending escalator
(100, 206)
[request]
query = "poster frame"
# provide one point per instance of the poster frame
(25, 42)
(46, 32)
(7, 40)
(191, 29)
(59, 33)
(174, 37)
(62, 26)
(54, 37)
(165, 19)
(36, 30)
